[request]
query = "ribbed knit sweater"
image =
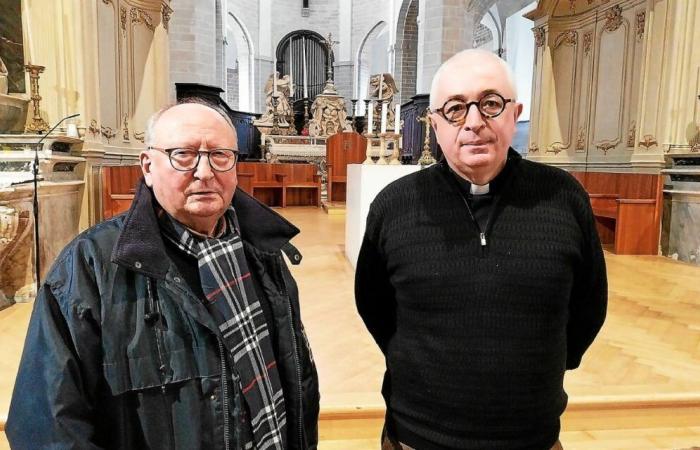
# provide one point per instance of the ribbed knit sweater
(477, 338)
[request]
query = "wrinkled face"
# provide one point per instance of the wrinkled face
(196, 198)
(476, 149)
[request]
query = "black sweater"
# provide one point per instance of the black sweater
(477, 338)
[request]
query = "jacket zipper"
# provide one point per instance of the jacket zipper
(297, 365)
(154, 314)
(224, 392)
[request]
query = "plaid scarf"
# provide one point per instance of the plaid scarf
(231, 299)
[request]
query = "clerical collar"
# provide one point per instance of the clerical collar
(476, 189)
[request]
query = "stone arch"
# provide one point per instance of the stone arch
(246, 67)
(362, 69)
(406, 50)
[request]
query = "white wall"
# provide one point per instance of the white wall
(520, 54)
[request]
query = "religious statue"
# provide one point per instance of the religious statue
(281, 87)
(382, 89)
(329, 116)
(4, 73)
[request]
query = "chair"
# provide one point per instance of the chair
(342, 149)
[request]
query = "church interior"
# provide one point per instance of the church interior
(329, 99)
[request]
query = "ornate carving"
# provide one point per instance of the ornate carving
(125, 129)
(138, 15)
(140, 136)
(641, 19)
(329, 116)
(108, 133)
(631, 135)
(567, 38)
(587, 41)
(539, 36)
(613, 18)
(122, 18)
(93, 128)
(581, 140)
(556, 148)
(606, 146)
(165, 12)
(649, 141)
(382, 89)
(533, 148)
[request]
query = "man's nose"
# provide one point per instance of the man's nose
(473, 120)
(203, 171)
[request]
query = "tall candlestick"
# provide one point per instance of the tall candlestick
(397, 119)
(303, 62)
(274, 76)
(383, 117)
(291, 70)
(370, 114)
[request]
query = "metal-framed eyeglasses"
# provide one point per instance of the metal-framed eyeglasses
(455, 110)
(186, 159)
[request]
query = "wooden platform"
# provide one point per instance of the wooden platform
(637, 388)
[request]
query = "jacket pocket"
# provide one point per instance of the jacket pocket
(138, 373)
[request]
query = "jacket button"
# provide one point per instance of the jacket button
(137, 264)
(213, 397)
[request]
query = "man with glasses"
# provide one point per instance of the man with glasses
(177, 324)
(481, 278)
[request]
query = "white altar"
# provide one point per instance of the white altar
(364, 183)
(294, 149)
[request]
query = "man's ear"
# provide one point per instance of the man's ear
(518, 110)
(433, 123)
(146, 161)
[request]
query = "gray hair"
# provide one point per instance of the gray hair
(510, 78)
(149, 136)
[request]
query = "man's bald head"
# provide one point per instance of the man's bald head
(464, 60)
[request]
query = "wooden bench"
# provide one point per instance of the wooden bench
(118, 188)
(281, 184)
(627, 208)
(342, 149)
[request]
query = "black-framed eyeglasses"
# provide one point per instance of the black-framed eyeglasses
(185, 159)
(455, 110)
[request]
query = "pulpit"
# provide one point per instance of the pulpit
(342, 149)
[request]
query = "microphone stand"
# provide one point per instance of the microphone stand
(35, 199)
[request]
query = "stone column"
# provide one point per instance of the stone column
(444, 29)
(193, 57)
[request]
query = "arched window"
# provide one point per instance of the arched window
(304, 49)
(240, 67)
(372, 58)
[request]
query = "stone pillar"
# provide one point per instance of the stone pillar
(443, 32)
(193, 56)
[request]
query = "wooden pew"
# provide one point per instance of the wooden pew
(118, 188)
(281, 184)
(342, 149)
(627, 208)
(273, 184)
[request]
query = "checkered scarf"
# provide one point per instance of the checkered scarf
(232, 301)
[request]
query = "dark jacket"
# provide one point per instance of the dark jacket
(121, 353)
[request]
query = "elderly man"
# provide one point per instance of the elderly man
(175, 325)
(481, 278)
